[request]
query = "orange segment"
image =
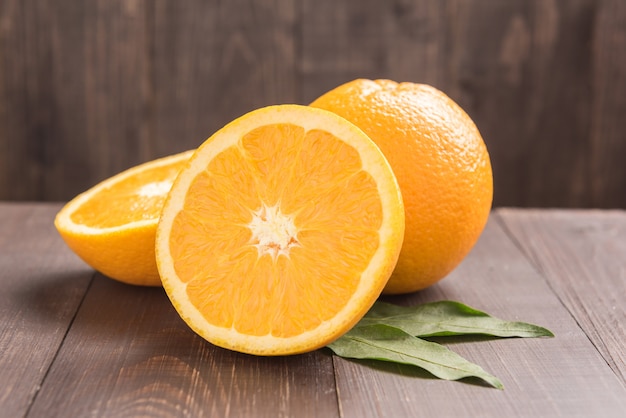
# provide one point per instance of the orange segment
(133, 198)
(112, 226)
(281, 232)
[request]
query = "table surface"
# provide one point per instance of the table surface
(74, 343)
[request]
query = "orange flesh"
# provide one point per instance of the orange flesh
(139, 197)
(264, 217)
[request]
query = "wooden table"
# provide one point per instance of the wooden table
(74, 343)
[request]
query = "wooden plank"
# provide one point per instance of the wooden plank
(90, 88)
(607, 172)
(128, 353)
(82, 115)
(344, 40)
(214, 61)
(562, 376)
(43, 284)
(583, 257)
(116, 73)
(523, 70)
(18, 174)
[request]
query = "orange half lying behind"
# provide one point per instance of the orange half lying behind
(281, 232)
(112, 226)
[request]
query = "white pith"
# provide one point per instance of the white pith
(273, 232)
(156, 188)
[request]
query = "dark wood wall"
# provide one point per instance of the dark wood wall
(91, 87)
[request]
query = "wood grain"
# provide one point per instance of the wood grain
(129, 354)
(583, 257)
(74, 343)
(42, 287)
(214, 61)
(607, 143)
(523, 70)
(539, 375)
(344, 40)
(90, 88)
(82, 112)
(18, 159)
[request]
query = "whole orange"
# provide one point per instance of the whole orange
(441, 164)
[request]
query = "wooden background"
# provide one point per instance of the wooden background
(91, 87)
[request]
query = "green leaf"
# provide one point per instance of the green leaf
(447, 318)
(391, 333)
(387, 343)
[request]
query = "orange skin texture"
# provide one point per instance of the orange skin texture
(441, 164)
(126, 255)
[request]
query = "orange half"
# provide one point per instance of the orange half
(112, 226)
(281, 232)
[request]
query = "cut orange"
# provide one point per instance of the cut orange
(281, 232)
(112, 226)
